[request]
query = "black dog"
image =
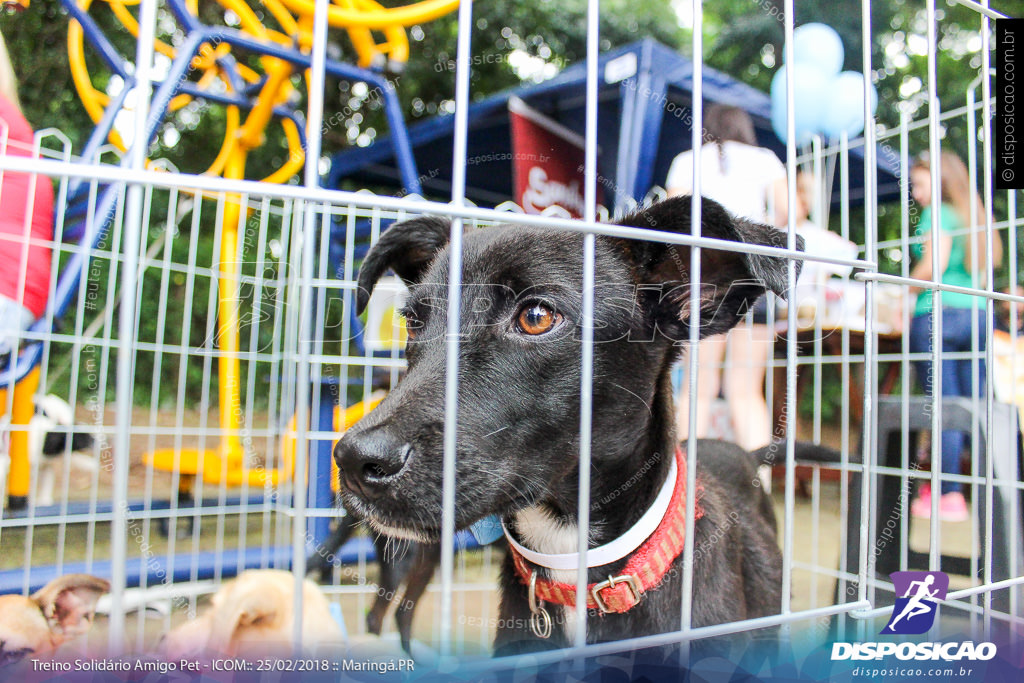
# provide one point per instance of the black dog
(407, 563)
(519, 415)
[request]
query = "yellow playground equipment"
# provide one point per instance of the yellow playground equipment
(253, 97)
(22, 408)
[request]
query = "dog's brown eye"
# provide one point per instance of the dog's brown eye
(537, 319)
(412, 327)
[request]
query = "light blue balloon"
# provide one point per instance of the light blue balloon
(779, 126)
(845, 106)
(820, 45)
(811, 87)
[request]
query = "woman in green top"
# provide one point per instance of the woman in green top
(962, 257)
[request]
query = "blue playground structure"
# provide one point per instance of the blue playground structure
(90, 213)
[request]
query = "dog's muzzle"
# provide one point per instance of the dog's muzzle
(371, 460)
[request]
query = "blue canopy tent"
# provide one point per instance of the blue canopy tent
(644, 120)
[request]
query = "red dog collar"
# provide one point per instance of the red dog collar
(644, 571)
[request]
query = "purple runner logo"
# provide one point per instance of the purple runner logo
(921, 592)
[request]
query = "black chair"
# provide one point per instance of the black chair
(891, 500)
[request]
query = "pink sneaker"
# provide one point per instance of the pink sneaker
(922, 505)
(953, 507)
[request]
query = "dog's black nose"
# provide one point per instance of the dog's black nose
(371, 460)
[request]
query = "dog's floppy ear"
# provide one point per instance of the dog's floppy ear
(731, 281)
(247, 602)
(406, 248)
(69, 602)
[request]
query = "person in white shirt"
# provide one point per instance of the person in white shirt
(818, 241)
(750, 182)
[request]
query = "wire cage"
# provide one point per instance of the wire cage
(198, 471)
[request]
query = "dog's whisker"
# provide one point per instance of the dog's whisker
(639, 398)
(496, 431)
(524, 492)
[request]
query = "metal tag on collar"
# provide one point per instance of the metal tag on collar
(487, 530)
(540, 620)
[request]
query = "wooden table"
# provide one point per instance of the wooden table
(832, 347)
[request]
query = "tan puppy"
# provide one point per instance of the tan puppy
(253, 616)
(37, 625)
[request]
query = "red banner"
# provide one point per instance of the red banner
(547, 165)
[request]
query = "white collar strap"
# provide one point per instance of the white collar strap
(615, 550)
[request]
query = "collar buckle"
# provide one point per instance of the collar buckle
(612, 582)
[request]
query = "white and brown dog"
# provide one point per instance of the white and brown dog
(36, 626)
(253, 615)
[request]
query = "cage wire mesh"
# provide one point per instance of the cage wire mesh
(218, 472)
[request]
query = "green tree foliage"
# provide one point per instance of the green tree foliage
(37, 42)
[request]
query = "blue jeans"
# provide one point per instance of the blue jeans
(956, 373)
